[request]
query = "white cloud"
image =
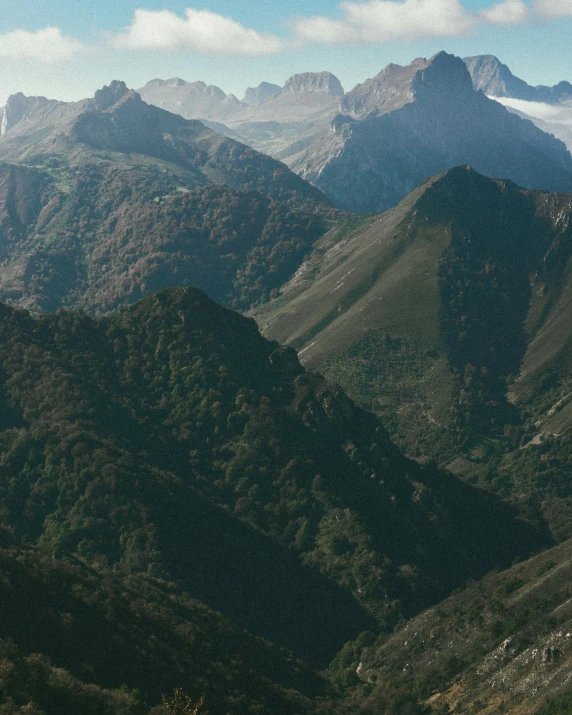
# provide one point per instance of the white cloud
(46, 45)
(199, 30)
(553, 113)
(554, 8)
(508, 12)
(324, 29)
(399, 20)
(387, 21)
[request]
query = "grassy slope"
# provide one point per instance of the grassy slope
(426, 312)
(364, 308)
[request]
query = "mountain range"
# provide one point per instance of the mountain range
(171, 439)
(408, 123)
(191, 518)
(366, 149)
(279, 121)
(337, 141)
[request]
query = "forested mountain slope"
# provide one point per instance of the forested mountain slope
(107, 199)
(75, 638)
(171, 438)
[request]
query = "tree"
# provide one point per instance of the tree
(181, 704)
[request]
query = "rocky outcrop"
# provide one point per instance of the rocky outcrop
(495, 79)
(323, 82)
(17, 106)
(108, 96)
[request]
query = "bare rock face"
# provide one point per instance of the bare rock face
(495, 79)
(109, 95)
(324, 82)
(17, 106)
(395, 86)
(443, 75)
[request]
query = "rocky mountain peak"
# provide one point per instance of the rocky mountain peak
(232, 100)
(111, 94)
(215, 92)
(495, 79)
(257, 95)
(444, 74)
(175, 82)
(323, 82)
(487, 63)
(16, 107)
(396, 85)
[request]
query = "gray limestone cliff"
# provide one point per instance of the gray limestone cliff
(324, 82)
(408, 123)
(17, 106)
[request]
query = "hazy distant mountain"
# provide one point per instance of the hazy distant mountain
(321, 82)
(408, 123)
(280, 121)
(110, 198)
(257, 95)
(494, 78)
(427, 312)
(550, 108)
(192, 100)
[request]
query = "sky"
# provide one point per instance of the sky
(67, 50)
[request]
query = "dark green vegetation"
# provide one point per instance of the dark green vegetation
(503, 644)
(448, 316)
(172, 440)
(106, 200)
(112, 628)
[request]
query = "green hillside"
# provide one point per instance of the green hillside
(448, 317)
(172, 439)
(75, 638)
